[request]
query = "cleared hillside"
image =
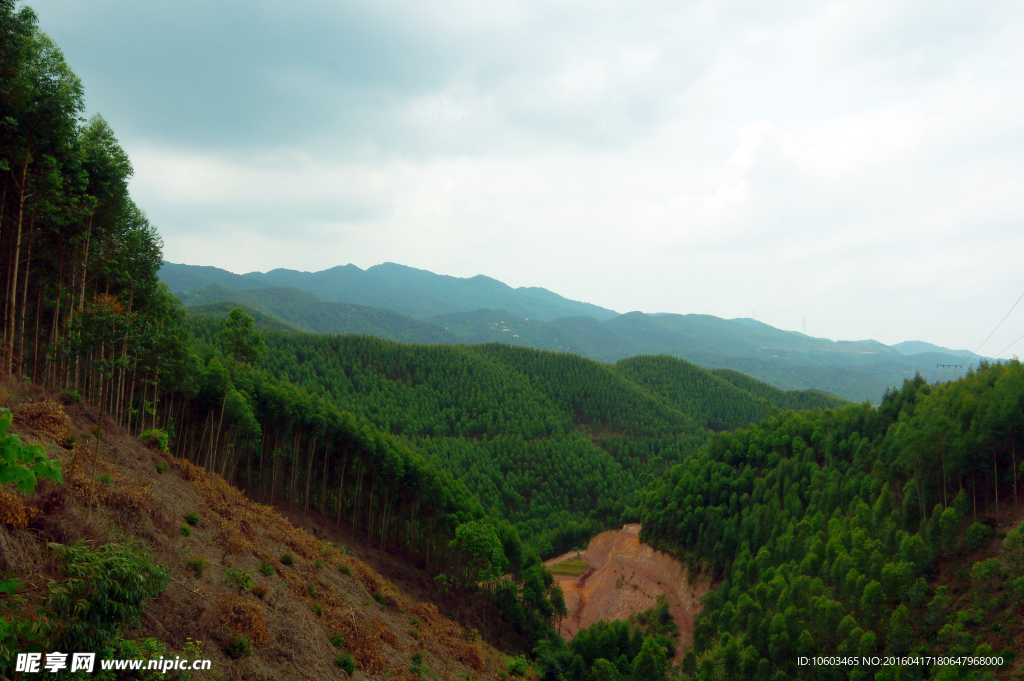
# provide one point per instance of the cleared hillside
(307, 604)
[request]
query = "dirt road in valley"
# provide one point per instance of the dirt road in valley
(625, 578)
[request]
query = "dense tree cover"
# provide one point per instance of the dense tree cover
(796, 400)
(720, 399)
(69, 232)
(553, 442)
(306, 312)
(637, 650)
(853, 532)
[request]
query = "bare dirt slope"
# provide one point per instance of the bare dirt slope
(323, 592)
(625, 578)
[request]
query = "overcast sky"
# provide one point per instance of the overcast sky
(858, 164)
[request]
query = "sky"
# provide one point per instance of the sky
(855, 169)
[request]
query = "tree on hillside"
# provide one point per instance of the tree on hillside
(239, 340)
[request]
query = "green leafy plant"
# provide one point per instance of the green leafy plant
(345, 570)
(288, 559)
(517, 667)
(237, 579)
(161, 466)
(154, 437)
(70, 397)
(417, 665)
(311, 589)
(23, 464)
(238, 646)
(345, 662)
(378, 596)
(319, 564)
(337, 640)
(185, 530)
(266, 569)
(192, 518)
(104, 588)
(197, 565)
(317, 609)
(977, 535)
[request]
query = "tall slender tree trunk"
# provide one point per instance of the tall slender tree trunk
(1013, 453)
(995, 478)
(24, 293)
(96, 455)
(35, 345)
(341, 484)
(309, 474)
(13, 285)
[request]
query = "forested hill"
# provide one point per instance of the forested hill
(859, 531)
(306, 312)
(417, 293)
(858, 371)
(554, 442)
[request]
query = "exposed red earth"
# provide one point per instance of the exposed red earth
(625, 578)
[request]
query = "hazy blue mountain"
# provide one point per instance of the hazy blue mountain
(918, 347)
(407, 304)
(413, 292)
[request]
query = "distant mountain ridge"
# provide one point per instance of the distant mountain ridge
(920, 347)
(413, 292)
(404, 300)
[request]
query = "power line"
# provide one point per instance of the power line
(993, 332)
(1009, 346)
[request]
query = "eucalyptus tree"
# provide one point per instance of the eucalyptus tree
(239, 340)
(44, 103)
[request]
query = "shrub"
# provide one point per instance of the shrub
(517, 667)
(154, 437)
(288, 559)
(977, 535)
(345, 662)
(260, 591)
(266, 569)
(238, 646)
(192, 518)
(185, 530)
(378, 596)
(417, 664)
(161, 466)
(70, 397)
(196, 565)
(105, 479)
(345, 570)
(23, 464)
(237, 580)
(311, 589)
(1017, 588)
(319, 564)
(337, 640)
(317, 610)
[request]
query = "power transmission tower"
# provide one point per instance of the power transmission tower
(955, 367)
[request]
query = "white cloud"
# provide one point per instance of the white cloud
(857, 163)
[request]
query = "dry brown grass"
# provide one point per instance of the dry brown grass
(243, 616)
(46, 417)
(290, 627)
